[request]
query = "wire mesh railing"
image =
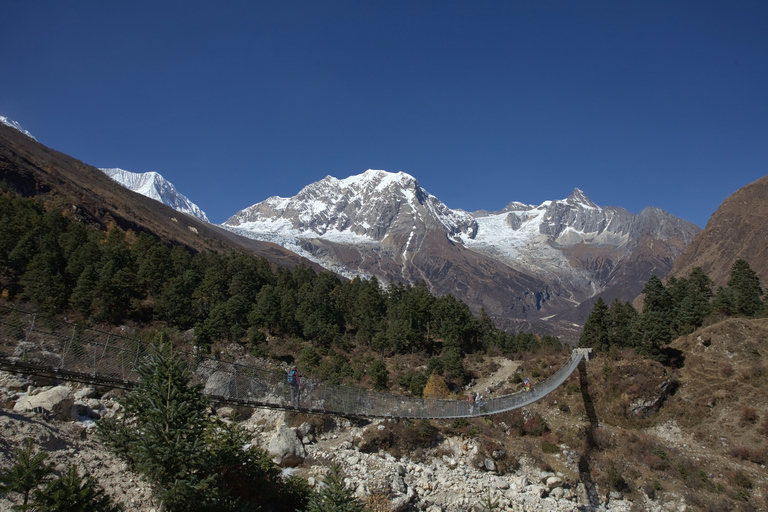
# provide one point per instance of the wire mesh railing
(34, 343)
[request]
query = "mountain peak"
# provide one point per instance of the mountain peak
(13, 124)
(153, 185)
(381, 179)
(579, 198)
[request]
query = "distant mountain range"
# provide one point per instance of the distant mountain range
(524, 264)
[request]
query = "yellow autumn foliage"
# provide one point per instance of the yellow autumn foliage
(436, 387)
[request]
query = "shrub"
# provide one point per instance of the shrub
(749, 415)
(379, 374)
(741, 483)
(757, 455)
(549, 447)
(615, 479)
(535, 426)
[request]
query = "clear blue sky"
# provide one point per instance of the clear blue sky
(637, 103)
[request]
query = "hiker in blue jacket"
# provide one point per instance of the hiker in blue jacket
(294, 381)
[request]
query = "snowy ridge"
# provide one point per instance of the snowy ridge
(360, 209)
(13, 124)
(294, 245)
(154, 186)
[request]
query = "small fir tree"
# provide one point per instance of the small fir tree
(335, 496)
(73, 493)
(26, 474)
(194, 461)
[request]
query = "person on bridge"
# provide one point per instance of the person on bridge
(294, 381)
(472, 399)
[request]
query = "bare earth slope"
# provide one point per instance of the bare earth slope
(60, 181)
(737, 230)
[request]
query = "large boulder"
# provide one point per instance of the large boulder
(220, 384)
(56, 403)
(286, 448)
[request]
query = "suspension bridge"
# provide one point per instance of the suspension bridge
(39, 345)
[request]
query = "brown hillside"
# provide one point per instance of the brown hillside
(737, 230)
(80, 190)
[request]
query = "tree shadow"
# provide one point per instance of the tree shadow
(585, 471)
(672, 357)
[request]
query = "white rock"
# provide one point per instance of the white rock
(56, 402)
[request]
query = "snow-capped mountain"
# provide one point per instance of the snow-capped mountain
(524, 262)
(360, 209)
(13, 124)
(154, 186)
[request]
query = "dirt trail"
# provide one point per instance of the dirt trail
(507, 369)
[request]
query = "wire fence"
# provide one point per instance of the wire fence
(33, 343)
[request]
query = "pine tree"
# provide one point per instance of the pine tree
(26, 474)
(379, 374)
(73, 493)
(620, 320)
(595, 331)
(746, 289)
(161, 433)
(654, 325)
(195, 462)
(335, 496)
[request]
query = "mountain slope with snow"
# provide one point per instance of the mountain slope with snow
(525, 262)
(13, 124)
(154, 186)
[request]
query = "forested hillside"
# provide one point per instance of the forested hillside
(58, 265)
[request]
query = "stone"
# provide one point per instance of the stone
(553, 482)
(305, 429)
(286, 448)
(86, 392)
(225, 412)
(220, 384)
(56, 402)
(15, 382)
(398, 484)
(489, 465)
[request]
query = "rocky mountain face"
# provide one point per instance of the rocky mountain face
(737, 230)
(523, 264)
(155, 186)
